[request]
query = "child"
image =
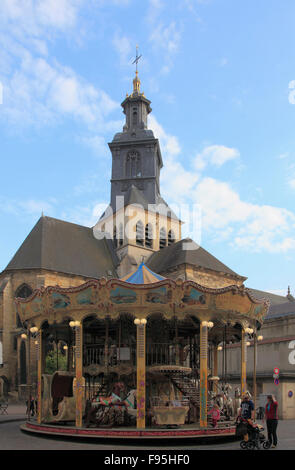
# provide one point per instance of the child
(215, 415)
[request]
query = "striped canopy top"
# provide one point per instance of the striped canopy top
(142, 275)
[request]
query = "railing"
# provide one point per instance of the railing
(96, 355)
(156, 354)
(93, 355)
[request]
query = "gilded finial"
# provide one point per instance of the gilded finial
(136, 81)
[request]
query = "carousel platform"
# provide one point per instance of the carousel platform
(190, 431)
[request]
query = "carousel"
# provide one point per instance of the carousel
(140, 355)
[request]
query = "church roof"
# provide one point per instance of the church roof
(273, 298)
(186, 251)
(142, 275)
(65, 247)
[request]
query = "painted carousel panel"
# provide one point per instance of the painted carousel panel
(233, 302)
(60, 300)
(121, 295)
(193, 297)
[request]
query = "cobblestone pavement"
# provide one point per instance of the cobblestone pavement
(12, 438)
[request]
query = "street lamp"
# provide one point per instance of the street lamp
(253, 335)
(30, 332)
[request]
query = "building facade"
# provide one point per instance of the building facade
(138, 225)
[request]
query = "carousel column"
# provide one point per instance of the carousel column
(40, 360)
(140, 371)
(243, 363)
(79, 380)
(203, 373)
(215, 367)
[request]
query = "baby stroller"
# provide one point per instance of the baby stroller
(256, 438)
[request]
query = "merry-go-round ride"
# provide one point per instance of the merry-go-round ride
(142, 356)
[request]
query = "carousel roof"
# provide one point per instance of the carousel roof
(142, 275)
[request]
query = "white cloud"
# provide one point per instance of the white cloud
(29, 206)
(225, 216)
(37, 92)
(97, 144)
(123, 47)
(215, 155)
(38, 17)
(166, 38)
(169, 143)
(254, 228)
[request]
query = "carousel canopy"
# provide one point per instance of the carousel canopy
(143, 275)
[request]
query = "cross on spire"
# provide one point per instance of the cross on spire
(136, 59)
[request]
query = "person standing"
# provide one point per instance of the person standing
(247, 412)
(271, 416)
(247, 408)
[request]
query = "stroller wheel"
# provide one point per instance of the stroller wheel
(243, 445)
(250, 445)
(266, 445)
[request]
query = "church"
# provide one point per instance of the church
(138, 227)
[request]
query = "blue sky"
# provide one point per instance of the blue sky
(221, 78)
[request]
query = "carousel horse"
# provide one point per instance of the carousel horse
(237, 401)
(112, 410)
(225, 402)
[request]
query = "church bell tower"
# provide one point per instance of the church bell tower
(136, 155)
(138, 219)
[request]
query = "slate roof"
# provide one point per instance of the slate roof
(282, 310)
(65, 247)
(177, 254)
(273, 298)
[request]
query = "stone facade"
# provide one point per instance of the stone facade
(10, 372)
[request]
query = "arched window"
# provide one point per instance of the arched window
(149, 235)
(171, 237)
(121, 235)
(163, 238)
(134, 117)
(23, 291)
(115, 240)
(133, 164)
(139, 233)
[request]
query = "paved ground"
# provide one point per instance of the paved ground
(11, 438)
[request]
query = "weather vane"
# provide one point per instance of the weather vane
(137, 58)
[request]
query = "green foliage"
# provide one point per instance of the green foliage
(51, 362)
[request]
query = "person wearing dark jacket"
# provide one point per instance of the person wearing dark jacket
(271, 416)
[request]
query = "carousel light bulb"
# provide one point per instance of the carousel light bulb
(65, 347)
(205, 323)
(250, 331)
(210, 324)
(77, 323)
(36, 342)
(72, 324)
(23, 336)
(34, 329)
(248, 343)
(219, 348)
(260, 338)
(143, 321)
(137, 321)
